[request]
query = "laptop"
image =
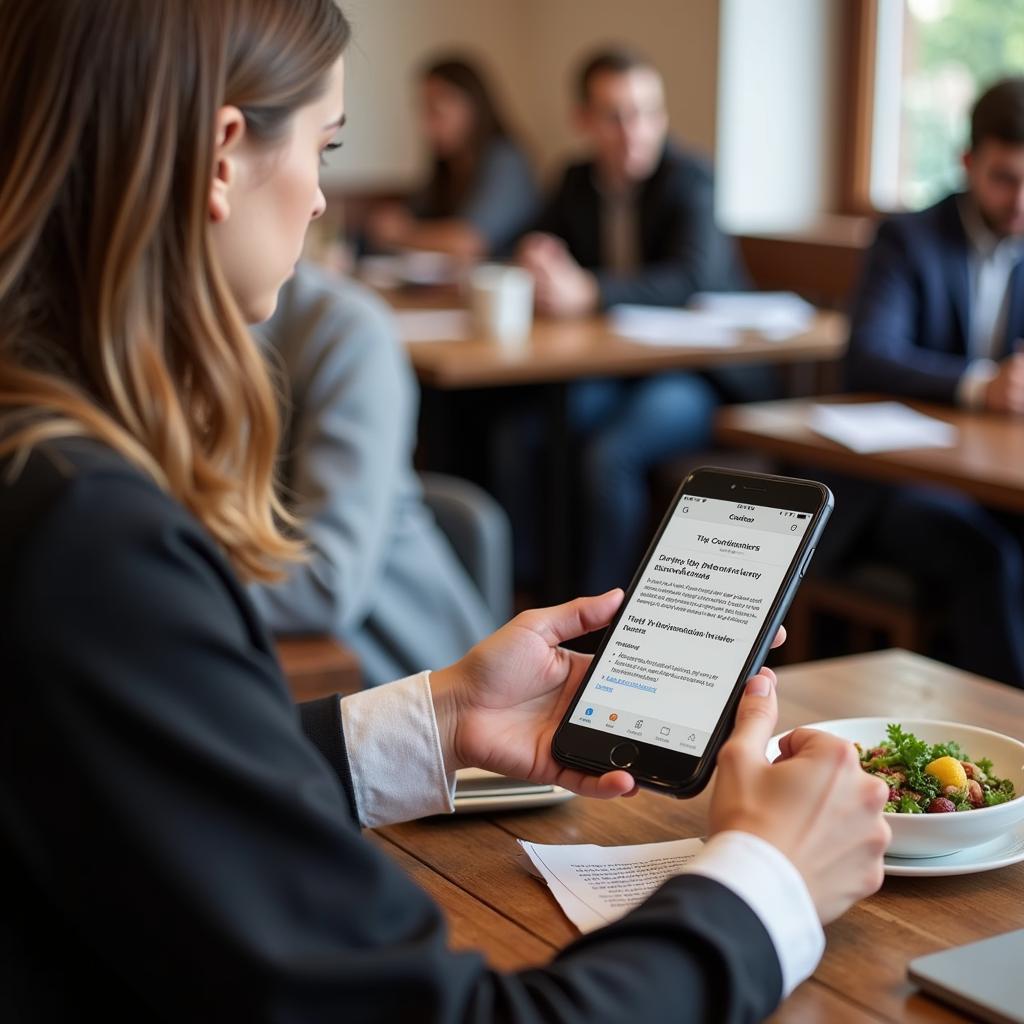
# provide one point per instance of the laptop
(984, 979)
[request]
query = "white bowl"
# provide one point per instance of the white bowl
(935, 835)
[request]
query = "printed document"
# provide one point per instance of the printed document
(596, 885)
(867, 427)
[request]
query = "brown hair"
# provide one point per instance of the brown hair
(615, 61)
(449, 186)
(999, 113)
(115, 319)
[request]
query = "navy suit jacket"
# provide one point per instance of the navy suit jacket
(910, 319)
(681, 248)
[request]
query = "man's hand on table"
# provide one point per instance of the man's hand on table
(562, 288)
(1005, 392)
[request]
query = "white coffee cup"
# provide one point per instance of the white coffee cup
(501, 302)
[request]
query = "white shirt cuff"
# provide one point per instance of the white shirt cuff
(394, 753)
(970, 389)
(771, 886)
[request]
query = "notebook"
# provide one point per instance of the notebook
(479, 790)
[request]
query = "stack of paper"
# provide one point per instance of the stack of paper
(655, 325)
(433, 324)
(867, 427)
(776, 315)
(596, 885)
(411, 267)
(715, 318)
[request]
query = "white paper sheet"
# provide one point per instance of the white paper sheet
(411, 267)
(881, 426)
(655, 325)
(433, 324)
(596, 885)
(776, 315)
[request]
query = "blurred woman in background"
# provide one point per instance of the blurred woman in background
(481, 194)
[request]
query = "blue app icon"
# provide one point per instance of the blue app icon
(589, 711)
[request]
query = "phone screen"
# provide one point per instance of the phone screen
(673, 658)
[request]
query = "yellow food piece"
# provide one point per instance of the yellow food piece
(949, 771)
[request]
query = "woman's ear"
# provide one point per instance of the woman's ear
(230, 129)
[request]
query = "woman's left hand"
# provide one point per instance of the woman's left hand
(499, 707)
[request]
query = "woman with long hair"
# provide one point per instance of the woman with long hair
(177, 841)
(481, 194)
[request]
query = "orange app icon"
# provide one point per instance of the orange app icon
(613, 717)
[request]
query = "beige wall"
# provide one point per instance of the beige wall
(680, 36)
(751, 83)
(530, 47)
(778, 101)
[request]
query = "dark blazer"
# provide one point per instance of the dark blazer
(910, 318)
(174, 847)
(682, 251)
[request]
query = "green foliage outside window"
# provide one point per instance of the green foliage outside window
(953, 49)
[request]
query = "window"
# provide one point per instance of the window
(930, 60)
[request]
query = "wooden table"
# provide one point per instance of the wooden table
(559, 352)
(470, 865)
(987, 462)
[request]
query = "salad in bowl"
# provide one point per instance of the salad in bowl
(924, 761)
(932, 778)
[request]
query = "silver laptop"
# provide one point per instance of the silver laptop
(984, 979)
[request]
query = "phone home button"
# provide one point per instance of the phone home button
(623, 754)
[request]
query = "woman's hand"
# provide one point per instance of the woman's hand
(498, 707)
(815, 803)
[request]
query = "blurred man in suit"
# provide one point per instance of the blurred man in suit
(939, 315)
(633, 223)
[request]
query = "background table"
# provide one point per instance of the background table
(987, 462)
(559, 352)
(471, 865)
(566, 350)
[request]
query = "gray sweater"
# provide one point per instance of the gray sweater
(381, 576)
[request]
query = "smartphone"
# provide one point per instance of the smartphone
(698, 619)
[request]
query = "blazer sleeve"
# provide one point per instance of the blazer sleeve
(166, 800)
(693, 259)
(886, 352)
(349, 451)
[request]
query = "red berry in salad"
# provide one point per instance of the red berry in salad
(941, 805)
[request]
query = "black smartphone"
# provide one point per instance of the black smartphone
(660, 696)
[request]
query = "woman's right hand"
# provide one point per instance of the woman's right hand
(815, 803)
